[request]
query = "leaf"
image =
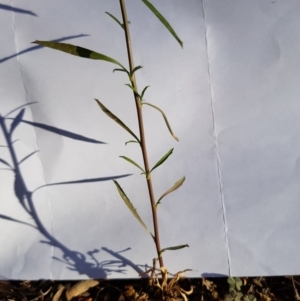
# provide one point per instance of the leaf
(238, 283)
(163, 159)
(131, 141)
(121, 70)
(114, 18)
(78, 51)
(238, 296)
(165, 118)
(116, 119)
(5, 163)
(143, 92)
(135, 69)
(231, 281)
(174, 187)
(132, 162)
(163, 21)
(17, 120)
(173, 249)
(80, 288)
(133, 89)
(131, 208)
(58, 293)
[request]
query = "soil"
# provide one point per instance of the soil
(208, 289)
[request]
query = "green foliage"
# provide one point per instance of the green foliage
(162, 159)
(78, 51)
(116, 119)
(174, 187)
(132, 162)
(131, 207)
(235, 291)
(115, 19)
(173, 249)
(164, 116)
(90, 54)
(163, 21)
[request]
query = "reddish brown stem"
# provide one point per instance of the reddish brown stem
(142, 134)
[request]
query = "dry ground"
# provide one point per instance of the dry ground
(262, 288)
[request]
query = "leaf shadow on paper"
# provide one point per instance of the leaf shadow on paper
(17, 10)
(84, 264)
(33, 48)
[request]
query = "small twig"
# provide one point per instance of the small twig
(42, 295)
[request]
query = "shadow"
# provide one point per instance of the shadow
(33, 48)
(83, 264)
(213, 275)
(91, 180)
(17, 10)
(126, 262)
(59, 131)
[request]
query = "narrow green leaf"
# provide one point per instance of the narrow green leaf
(122, 70)
(135, 69)
(116, 119)
(238, 283)
(132, 162)
(133, 89)
(163, 21)
(114, 18)
(174, 187)
(131, 141)
(165, 118)
(131, 208)
(143, 92)
(163, 159)
(173, 249)
(78, 51)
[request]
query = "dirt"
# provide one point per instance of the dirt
(262, 288)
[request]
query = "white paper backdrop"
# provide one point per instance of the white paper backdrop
(231, 98)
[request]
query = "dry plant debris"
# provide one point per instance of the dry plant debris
(154, 288)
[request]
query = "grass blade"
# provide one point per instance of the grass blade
(163, 159)
(132, 162)
(78, 51)
(163, 21)
(131, 141)
(173, 248)
(135, 69)
(131, 208)
(143, 92)
(121, 70)
(114, 18)
(165, 118)
(116, 119)
(174, 187)
(133, 89)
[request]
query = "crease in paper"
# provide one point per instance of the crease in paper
(215, 139)
(36, 138)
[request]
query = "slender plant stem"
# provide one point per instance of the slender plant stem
(142, 134)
